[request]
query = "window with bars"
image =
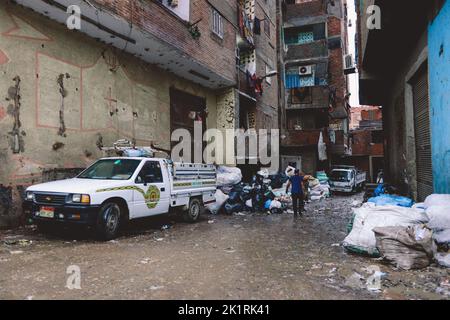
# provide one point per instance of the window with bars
(217, 23)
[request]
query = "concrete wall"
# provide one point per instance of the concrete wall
(64, 95)
(439, 71)
(266, 55)
(398, 124)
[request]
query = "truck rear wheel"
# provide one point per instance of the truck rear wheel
(108, 221)
(193, 212)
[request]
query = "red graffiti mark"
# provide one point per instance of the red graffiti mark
(30, 32)
(2, 112)
(3, 58)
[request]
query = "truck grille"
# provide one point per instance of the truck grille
(43, 198)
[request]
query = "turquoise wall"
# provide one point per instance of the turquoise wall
(439, 77)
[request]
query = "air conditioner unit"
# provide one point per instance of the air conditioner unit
(349, 61)
(305, 70)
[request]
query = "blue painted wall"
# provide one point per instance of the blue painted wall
(439, 74)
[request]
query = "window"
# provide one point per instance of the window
(150, 168)
(111, 169)
(267, 26)
(217, 23)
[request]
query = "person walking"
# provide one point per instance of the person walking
(298, 192)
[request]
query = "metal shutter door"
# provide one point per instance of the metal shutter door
(422, 134)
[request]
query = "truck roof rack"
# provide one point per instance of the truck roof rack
(123, 146)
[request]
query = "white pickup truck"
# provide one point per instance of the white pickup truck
(347, 179)
(114, 190)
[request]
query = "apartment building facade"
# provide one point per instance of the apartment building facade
(314, 63)
(135, 70)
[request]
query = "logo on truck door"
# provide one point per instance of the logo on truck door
(151, 197)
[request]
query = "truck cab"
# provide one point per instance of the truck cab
(346, 179)
(114, 190)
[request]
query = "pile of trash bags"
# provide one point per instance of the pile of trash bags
(410, 236)
(233, 196)
(319, 188)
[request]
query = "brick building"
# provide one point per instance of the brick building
(137, 69)
(366, 140)
(314, 63)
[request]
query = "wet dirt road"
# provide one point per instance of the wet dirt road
(255, 256)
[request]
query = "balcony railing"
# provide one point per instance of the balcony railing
(303, 138)
(316, 49)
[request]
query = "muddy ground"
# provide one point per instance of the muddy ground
(252, 256)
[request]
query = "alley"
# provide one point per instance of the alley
(244, 256)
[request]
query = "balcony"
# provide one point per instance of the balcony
(313, 50)
(152, 32)
(308, 98)
(340, 147)
(244, 85)
(303, 138)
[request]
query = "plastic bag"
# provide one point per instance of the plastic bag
(393, 200)
(408, 248)
(228, 176)
(221, 198)
(442, 236)
(437, 200)
(361, 238)
(275, 204)
(267, 204)
(231, 208)
(290, 171)
(439, 217)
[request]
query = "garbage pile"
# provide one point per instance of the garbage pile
(266, 192)
(319, 188)
(407, 235)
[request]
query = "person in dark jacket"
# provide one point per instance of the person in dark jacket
(297, 192)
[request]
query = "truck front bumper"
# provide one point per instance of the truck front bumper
(68, 213)
(341, 189)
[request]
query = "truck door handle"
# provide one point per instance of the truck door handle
(163, 189)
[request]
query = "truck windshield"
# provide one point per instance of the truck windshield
(340, 175)
(111, 169)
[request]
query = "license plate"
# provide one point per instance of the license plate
(47, 212)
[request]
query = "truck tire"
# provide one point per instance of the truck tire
(108, 221)
(193, 212)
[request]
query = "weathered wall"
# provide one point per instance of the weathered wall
(64, 95)
(266, 55)
(399, 124)
(439, 70)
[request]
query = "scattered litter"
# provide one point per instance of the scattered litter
(239, 214)
(16, 252)
(145, 261)
(156, 287)
(336, 245)
(230, 250)
(29, 298)
(355, 281)
(159, 239)
(211, 221)
(166, 227)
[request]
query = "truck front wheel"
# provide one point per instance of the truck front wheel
(193, 212)
(108, 221)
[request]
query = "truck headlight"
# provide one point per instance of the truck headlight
(30, 196)
(81, 198)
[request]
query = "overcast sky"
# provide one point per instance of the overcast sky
(353, 78)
